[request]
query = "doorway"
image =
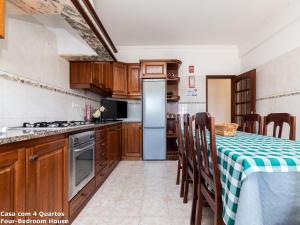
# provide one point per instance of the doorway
(218, 97)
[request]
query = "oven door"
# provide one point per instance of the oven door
(82, 167)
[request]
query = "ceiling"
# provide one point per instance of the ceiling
(186, 22)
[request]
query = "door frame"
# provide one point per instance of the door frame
(221, 77)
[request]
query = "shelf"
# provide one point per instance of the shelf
(244, 90)
(171, 136)
(172, 155)
(173, 99)
(243, 102)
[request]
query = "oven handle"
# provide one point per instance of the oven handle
(84, 149)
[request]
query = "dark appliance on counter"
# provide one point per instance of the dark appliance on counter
(114, 109)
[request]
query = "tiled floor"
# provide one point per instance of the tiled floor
(139, 193)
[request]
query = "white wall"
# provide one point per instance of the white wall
(208, 60)
(219, 99)
(29, 51)
(275, 52)
(279, 36)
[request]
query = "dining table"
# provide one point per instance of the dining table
(260, 178)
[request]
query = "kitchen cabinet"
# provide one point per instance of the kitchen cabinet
(132, 141)
(33, 177)
(114, 145)
(81, 199)
(119, 80)
(101, 151)
(134, 82)
(12, 182)
(92, 76)
(47, 180)
(154, 69)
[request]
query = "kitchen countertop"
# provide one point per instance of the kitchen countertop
(23, 134)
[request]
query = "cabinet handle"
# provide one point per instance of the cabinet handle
(33, 157)
(102, 144)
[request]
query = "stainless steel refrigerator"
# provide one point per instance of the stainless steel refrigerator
(154, 119)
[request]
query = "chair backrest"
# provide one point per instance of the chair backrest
(252, 123)
(189, 141)
(179, 135)
(186, 133)
(279, 119)
(206, 150)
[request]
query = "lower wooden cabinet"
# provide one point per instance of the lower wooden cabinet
(12, 182)
(132, 141)
(34, 178)
(34, 174)
(47, 184)
(80, 200)
(114, 144)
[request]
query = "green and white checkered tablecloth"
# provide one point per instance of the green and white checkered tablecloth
(244, 154)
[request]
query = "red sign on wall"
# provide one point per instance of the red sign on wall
(191, 69)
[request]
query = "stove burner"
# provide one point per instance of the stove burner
(54, 124)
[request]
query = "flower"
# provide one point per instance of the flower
(102, 109)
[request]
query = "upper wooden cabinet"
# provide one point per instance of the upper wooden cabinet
(119, 80)
(93, 76)
(152, 69)
(47, 180)
(132, 141)
(2, 17)
(134, 81)
(12, 182)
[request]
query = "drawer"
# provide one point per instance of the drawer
(81, 198)
(100, 135)
(100, 166)
(100, 178)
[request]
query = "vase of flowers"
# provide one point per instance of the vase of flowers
(98, 114)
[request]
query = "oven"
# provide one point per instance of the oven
(81, 161)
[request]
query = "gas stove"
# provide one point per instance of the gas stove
(55, 124)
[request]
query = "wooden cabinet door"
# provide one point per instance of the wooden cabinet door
(119, 79)
(12, 182)
(132, 141)
(134, 80)
(101, 150)
(108, 76)
(81, 73)
(243, 96)
(119, 143)
(114, 136)
(98, 74)
(154, 69)
(47, 180)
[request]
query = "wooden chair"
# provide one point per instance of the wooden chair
(181, 156)
(209, 184)
(192, 168)
(191, 175)
(279, 119)
(252, 123)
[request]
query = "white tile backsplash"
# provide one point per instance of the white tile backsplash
(134, 111)
(277, 77)
(30, 51)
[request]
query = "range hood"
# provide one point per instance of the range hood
(69, 19)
